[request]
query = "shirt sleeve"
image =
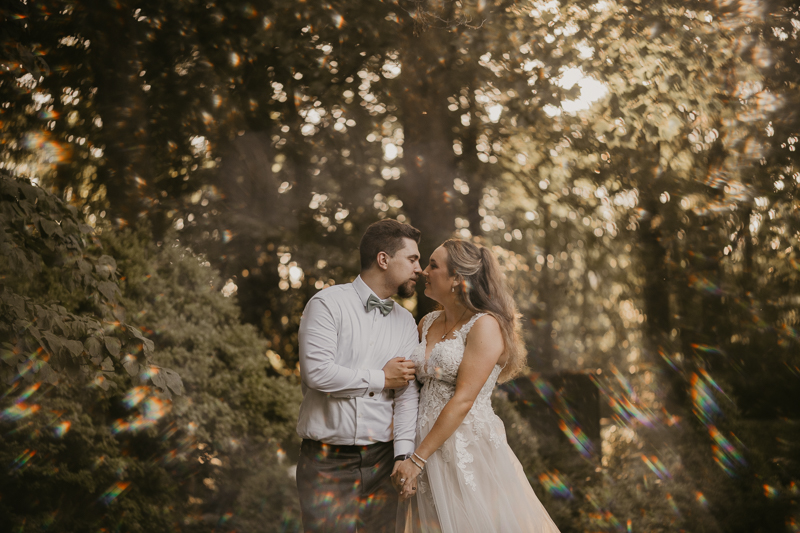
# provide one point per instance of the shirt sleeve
(406, 404)
(318, 369)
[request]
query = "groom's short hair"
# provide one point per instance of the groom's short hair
(384, 236)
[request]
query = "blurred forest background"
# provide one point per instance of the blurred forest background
(178, 178)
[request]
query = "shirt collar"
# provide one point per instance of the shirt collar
(363, 291)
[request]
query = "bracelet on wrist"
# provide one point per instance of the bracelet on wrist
(420, 458)
(421, 468)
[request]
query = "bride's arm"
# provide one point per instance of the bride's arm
(481, 354)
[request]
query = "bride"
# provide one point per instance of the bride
(467, 478)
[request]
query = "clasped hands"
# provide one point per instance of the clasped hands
(404, 478)
(398, 372)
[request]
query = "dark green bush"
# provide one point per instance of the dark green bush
(94, 434)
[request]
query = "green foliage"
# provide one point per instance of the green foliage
(242, 411)
(44, 245)
(664, 479)
(63, 372)
(98, 441)
(651, 240)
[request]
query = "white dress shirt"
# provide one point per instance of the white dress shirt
(343, 349)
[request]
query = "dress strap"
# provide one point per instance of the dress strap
(464, 330)
(427, 321)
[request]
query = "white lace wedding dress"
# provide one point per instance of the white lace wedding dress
(474, 483)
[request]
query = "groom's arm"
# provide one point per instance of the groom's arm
(318, 338)
(406, 404)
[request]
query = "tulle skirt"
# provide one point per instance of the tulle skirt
(474, 484)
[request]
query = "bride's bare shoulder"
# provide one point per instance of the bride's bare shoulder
(485, 325)
(486, 332)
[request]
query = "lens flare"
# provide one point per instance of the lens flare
(567, 423)
(113, 492)
(705, 407)
(135, 396)
(672, 364)
(704, 285)
(554, 484)
(22, 460)
(671, 503)
(725, 453)
(48, 150)
(155, 409)
(713, 383)
(249, 11)
(148, 373)
(604, 520)
(152, 409)
(119, 426)
(27, 393)
(698, 496)
(625, 404)
(656, 466)
(61, 429)
(577, 438)
(18, 411)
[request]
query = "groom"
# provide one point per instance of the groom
(356, 394)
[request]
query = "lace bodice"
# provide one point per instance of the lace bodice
(473, 483)
(438, 376)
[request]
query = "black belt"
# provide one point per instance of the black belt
(346, 448)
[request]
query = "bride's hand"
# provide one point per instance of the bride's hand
(409, 489)
(406, 474)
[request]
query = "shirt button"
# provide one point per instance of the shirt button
(371, 394)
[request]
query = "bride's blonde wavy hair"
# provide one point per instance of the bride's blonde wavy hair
(483, 289)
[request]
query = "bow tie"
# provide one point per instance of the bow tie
(385, 307)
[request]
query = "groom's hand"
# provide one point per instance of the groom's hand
(398, 372)
(405, 487)
(395, 477)
(409, 489)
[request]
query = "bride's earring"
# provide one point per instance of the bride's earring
(452, 289)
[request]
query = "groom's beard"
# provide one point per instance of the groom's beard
(406, 290)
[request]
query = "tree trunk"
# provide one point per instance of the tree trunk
(548, 352)
(121, 104)
(427, 186)
(656, 289)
